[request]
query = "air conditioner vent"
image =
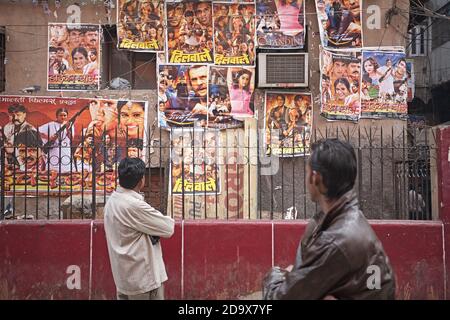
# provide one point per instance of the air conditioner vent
(282, 70)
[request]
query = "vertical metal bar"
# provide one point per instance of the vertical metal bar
(182, 173)
(215, 169)
(282, 179)
(162, 181)
(258, 163)
(36, 191)
(48, 180)
(192, 145)
(59, 175)
(226, 173)
(394, 174)
(382, 173)
(371, 169)
(204, 170)
(360, 173)
(271, 182)
(238, 167)
(26, 172)
(170, 192)
(249, 163)
(404, 169)
(72, 159)
(3, 178)
(82, 172)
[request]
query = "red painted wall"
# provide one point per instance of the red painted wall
(443, 166)
(204, 259)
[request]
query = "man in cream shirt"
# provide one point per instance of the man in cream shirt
(133, 228)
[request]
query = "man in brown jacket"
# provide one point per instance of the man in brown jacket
(339, 256)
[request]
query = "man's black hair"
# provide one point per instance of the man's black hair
(131, 171)
(336, 162)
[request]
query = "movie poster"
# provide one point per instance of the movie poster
(384, 88)
(55, 145)
(340, 85)
(183, 95)
(140, 25)
(288, 120)
(280, 24)
(230, 96)
(194, 162)
(411, 79)
(73, 57)
(234, 34)
(190, 32)
(339, 23)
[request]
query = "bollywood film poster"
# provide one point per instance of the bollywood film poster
(340, 85)
(194, 162)
(55, 145)
(234, 34)
(339, 23)
(182, 95)
(73, 62)
(384, 88)
(411, 79)
(288, 121)
(189, 32)
(280, 24)
(230, 96)
(140, 25)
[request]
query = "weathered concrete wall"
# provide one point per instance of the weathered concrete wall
(26, 29)
(204, 260)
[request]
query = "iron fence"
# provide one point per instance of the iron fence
(216, 174)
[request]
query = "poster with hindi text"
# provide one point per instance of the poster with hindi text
(73, 62)
(340, 85)
(55, 145)
(384, 87)
(140, 25)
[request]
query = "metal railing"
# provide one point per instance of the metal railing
(243, 180)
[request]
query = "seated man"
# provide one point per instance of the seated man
(340, 255)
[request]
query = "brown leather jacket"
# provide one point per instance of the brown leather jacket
(339, 255)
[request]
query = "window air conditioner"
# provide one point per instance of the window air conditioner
(282, 70)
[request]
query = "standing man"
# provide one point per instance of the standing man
(133, 228)
(339, 255)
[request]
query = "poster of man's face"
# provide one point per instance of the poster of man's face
(183, 95)
(73, 57)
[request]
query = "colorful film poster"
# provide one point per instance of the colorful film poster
(140, 25)
(288, 121)
(384, 89)
(55, 145)
(190, 32)
(280, 24)
(194, 169)
(234, 34)
(183, 95)
(230, 96)
(339, 23)
(73, 57)
(340, 85)
(411, 79)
